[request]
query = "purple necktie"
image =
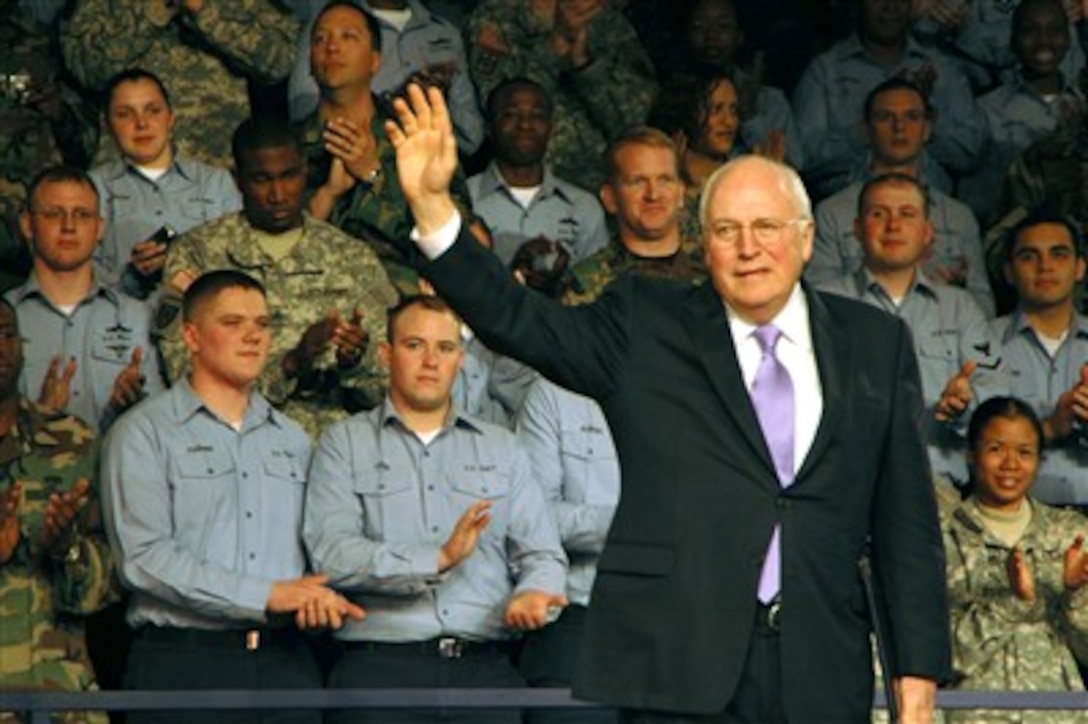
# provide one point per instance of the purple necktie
(772, 396)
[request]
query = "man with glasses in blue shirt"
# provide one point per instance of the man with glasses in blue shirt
(88, 349)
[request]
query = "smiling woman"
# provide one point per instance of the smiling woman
(1016, 567)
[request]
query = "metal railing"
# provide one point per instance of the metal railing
(37, 706)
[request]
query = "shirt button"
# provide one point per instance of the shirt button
(210, 471)
(252, 556)
(381, 486)
(245, 475)
(249, 514)
(431, 488)
(434, 528)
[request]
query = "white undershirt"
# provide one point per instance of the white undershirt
(1051, 344)
(151, 174)
(524, 195)
(397, 18)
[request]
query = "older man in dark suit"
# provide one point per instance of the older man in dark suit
(767, 436)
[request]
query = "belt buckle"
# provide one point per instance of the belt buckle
(253, 640)
(450, 647)
(774, 615)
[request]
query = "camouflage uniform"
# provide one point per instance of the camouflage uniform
(42, 599)
(588, 279)
(325, 270)
(1001, 642)
(376, 213)
(593, 104)
(204, 60)
(29, 140)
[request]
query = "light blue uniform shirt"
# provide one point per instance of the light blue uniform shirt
(102, 333)
(574, 461)
(135, 207)
(956, 242)
(204, 519)
(427, 42)
(829, 105)
(1039, 379)
(949, 329)
(381, 504)
(560, 211)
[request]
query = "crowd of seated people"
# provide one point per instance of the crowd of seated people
(203, 234)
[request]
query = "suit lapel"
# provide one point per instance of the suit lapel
(832, 349)
(709, 327)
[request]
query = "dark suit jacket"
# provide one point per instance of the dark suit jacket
(674, 602)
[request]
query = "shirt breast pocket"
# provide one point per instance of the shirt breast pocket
(112, 348)
(197, 209)
(938, 359)
(204, 499)
(469, 487)
(386, 500)
(288, 484)
(587, 454)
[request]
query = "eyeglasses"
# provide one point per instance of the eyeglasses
(766, 232)
(78, 217)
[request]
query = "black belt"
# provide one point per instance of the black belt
(247, 639)
(769, 615)
(444, 647)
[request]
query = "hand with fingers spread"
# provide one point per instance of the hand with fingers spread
(1020, 576)
(57, 385)
(128, 387)
(530, 610)
(466, 534)
(9, 520)
(61, 514)
(957, 394)
(1075, 569)
(349, 338)
(426, 155)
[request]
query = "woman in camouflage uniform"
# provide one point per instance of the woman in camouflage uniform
(1016, 571)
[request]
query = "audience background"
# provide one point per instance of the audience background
(1008, 132)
